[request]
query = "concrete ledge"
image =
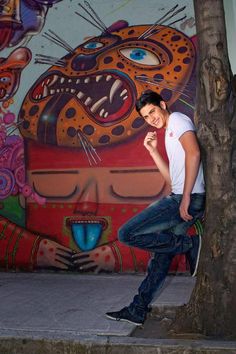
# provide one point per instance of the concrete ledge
(64, 314)
(113, 345)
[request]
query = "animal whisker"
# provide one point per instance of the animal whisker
(70, 49)
(186, 103)
(16, 125)
(99, 19)
(49, 60)
(53, 37)
(85, 149)
(96, 19)
(155, 23)
(49, 63)
(167, 82)
(88, 149)
(157, 83)
(49, 57)
(168, 25)
(162, 22)
(180, 19)
(86, 19)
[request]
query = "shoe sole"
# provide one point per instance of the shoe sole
(198, 256)
(124, 320)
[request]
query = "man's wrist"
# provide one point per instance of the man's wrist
(153, 152)
(186, 195)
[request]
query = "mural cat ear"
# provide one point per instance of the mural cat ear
(118, 25)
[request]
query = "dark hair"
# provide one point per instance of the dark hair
(148, 97)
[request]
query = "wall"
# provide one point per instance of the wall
(230, 15)
(73, 167)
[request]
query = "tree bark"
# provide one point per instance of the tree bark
(212, 307)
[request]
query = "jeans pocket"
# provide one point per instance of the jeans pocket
(176, 198)
(197, 204)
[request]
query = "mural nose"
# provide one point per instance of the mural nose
(83, 62)
(86, 231)
(87, 203)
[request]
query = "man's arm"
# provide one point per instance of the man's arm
(150, 143)
(192, 160)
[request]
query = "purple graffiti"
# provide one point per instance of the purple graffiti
(21, 19)
(10, 72)
(12, 164)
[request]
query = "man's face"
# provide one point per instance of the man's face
(154, 115)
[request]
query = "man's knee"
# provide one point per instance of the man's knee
(123, 236)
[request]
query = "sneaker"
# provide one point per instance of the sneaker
(194, 253)
(124, 315)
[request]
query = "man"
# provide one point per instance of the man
(161, 227)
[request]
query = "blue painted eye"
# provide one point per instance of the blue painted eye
(93, 45)
(140, 56)
(5, 79)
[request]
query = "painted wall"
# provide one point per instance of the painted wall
(230, 20)
(73, 167)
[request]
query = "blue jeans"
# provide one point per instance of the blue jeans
(159, 229)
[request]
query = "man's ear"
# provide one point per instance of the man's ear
(163, 104)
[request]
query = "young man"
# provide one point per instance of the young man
(161, 227)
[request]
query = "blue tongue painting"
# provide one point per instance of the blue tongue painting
(86, 236)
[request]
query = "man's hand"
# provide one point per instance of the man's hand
(183, 209)
(150, 141)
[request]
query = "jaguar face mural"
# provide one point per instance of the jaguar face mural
(84, 146)
(96, 89)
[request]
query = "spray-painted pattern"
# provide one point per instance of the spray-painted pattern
(86, 169)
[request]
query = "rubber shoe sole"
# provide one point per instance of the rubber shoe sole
(124, 320)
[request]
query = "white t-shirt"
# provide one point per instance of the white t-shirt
(178, 124)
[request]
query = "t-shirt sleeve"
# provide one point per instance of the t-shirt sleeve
(182, 124)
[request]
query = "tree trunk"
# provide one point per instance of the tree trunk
(212, 307)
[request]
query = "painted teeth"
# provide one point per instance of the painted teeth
(123, 92)
(80, 94)
(98, 104)
(116, 85)
(102, 112)
(50, 83)
(88, 101)
(98, 78)
(45, 91)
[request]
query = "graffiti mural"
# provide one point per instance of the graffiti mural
(21, 19)
(84, 171)
(10, 72)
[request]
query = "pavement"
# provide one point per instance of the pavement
(47, 313)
